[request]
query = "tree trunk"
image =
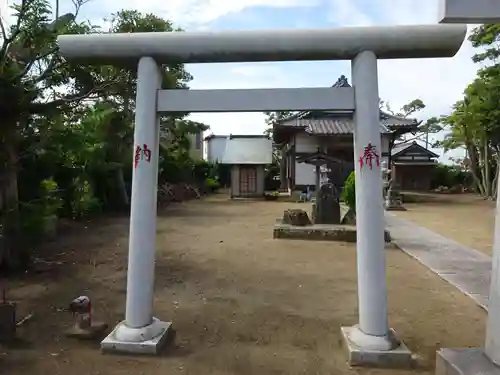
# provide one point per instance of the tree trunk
(495, 179)
(475, 167)
(120, 180)
(12, 254)
(487, 168)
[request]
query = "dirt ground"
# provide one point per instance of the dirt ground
(241, 302)
(465, 218)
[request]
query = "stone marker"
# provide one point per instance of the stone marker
(327, 207)
(296, 217)
(393, 199)
(84, 327)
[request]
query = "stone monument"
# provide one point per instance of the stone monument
(393, 200)
(326, 210)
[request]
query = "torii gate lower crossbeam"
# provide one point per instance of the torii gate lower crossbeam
(141, 332)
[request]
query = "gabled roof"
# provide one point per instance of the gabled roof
(341, 122)
(401, 149)
(330, 123)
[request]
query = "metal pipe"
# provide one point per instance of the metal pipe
(387, 42)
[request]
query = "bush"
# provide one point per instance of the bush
(50, 200)
(449, 176)
(223, 173)
(84, 201)
(212, 184)
(202, 170)
(349, 192)
(39, 215)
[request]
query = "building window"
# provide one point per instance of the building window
(198, 141)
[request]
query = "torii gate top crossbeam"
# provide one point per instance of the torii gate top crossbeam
(387, 42)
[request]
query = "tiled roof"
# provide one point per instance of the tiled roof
(400, 148)
(340, 125)
(336, 122)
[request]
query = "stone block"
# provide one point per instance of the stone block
(111, 344)
(399, 357)
(464, 361)
(296, 217)
(319, 232)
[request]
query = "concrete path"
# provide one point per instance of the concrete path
(465, 268)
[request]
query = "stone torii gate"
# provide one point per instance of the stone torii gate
(140, 332)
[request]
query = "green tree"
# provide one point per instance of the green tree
(474, 123)
(36, 82)
(279, 150)
(69, 126)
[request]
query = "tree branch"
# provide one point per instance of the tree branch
(2, 28)
(30, 64)
(37, 108)
(25, 4)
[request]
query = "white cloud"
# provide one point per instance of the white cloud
(438, 82)
(200, 12)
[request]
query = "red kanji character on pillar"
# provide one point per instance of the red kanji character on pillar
(369, 155)
(147, 153)
(138, 156)
(142, 153)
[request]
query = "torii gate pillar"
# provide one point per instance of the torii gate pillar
(371, 342)
(472, 361)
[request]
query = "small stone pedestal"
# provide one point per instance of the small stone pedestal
(84, 327)
(464, 361)
(394, 355)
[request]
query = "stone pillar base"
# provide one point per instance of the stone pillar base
(464, 361)
(146, 340)
(367, 353)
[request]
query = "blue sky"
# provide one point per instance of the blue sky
(438, 82)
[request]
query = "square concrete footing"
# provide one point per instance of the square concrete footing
(152, 347)
(464, 361)
(399, 357)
